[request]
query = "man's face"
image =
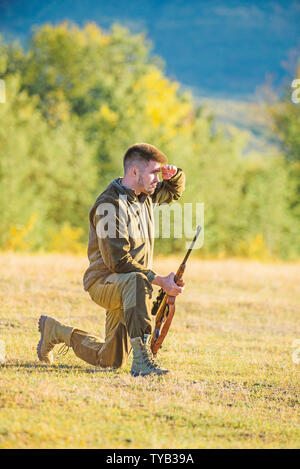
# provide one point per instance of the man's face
(148, 177)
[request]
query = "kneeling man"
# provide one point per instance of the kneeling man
(120, 276)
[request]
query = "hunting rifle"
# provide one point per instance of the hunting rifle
(164, 306)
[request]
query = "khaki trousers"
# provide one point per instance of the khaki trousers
(127, 300)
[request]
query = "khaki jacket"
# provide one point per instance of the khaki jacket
(121, 236)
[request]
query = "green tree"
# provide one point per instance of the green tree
(78, 97)
(43, 170)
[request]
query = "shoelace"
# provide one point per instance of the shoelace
(63, 350)
(150, 357)
(147, 359)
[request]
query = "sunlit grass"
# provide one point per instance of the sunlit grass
(233, 383)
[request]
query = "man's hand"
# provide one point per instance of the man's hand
(168, 285)
(168, 171)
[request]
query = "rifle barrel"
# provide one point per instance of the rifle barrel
(192, 244)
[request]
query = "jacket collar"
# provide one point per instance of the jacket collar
(131, 195)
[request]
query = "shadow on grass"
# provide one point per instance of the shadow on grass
(31, 367)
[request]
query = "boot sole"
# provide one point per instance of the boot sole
(41, 330)
(135, 375)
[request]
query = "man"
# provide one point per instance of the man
(120, 276)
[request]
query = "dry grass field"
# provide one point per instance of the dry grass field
(234, 382)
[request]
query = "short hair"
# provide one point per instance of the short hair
(143, 152)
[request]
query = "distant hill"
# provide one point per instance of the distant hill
(224, 49)
(247, 116)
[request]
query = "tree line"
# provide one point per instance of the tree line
(77, 98)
